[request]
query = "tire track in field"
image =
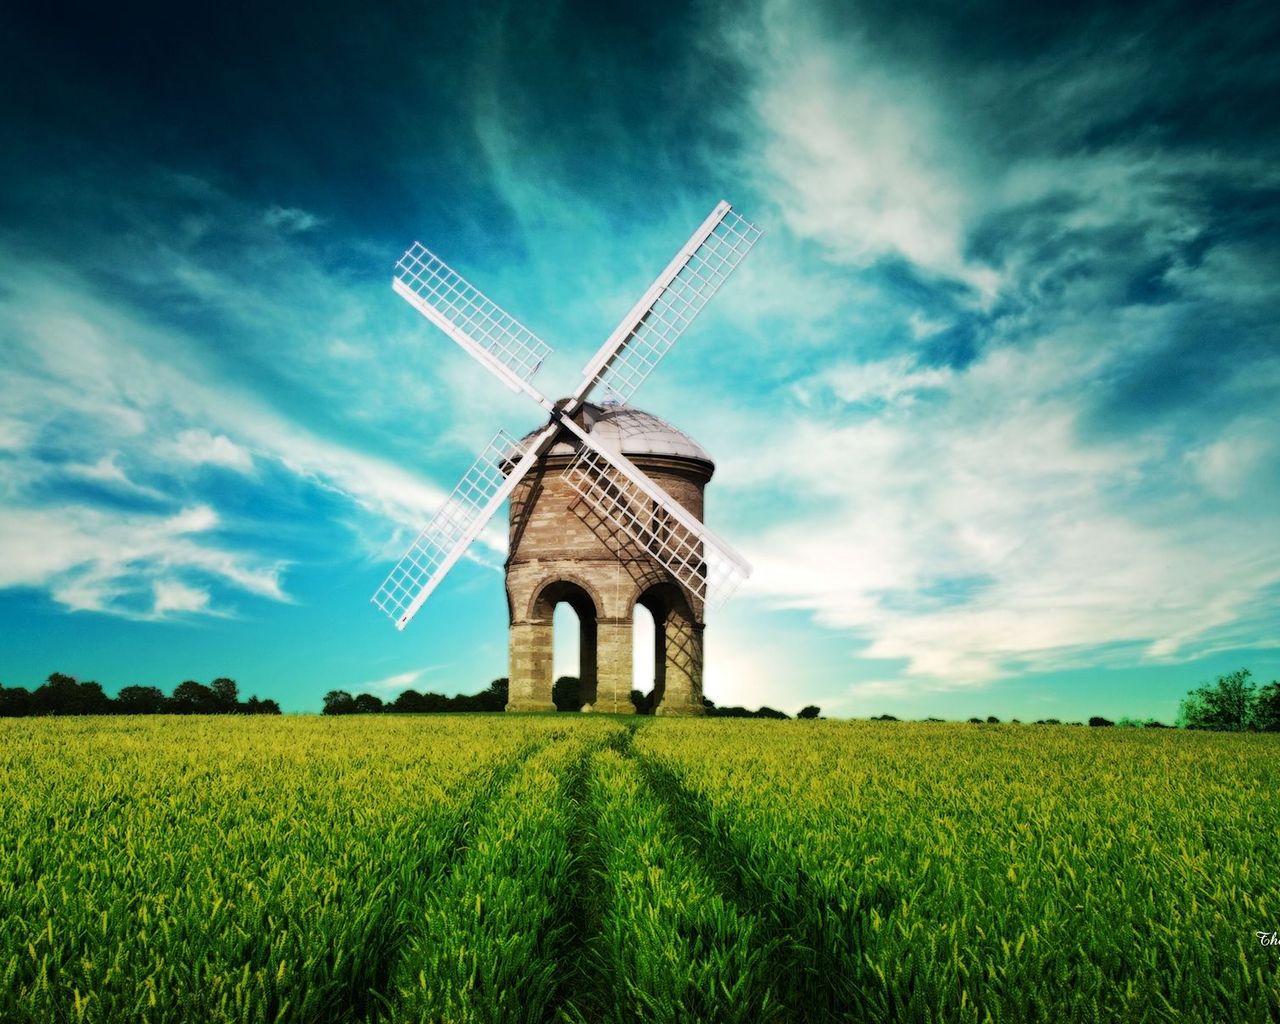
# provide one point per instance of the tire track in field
(391, 931)
(500, 935)
(578, 995)
(583, 993)
(660, 938)
(819, 956)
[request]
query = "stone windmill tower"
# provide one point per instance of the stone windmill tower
(560, 550)
(606, 500)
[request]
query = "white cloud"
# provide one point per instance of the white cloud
(172, 596)
(986, 532)
(1227, 466)
(200, 447)
(858, 156)
(289, 218)
(101, 560)
(885, 380)
(400, 681)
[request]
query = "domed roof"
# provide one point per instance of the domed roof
(621, 427)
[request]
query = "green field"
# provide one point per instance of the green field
(502, 868)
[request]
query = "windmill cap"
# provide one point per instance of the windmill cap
(631, 431)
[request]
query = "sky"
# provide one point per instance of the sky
(993, 402)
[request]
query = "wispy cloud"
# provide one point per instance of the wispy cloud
(1042, 470)
(121, 397)
(134, 565)
(400, 681)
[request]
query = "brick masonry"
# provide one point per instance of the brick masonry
(561, 551)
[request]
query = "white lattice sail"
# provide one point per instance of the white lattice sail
(705, 567)
(455, 525)
(462, 311)
(689, 284)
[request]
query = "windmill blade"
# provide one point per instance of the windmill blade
(678, 294)
(483, 328)
(705, 565)
(480, 493)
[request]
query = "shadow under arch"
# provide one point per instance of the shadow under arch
(585, 605)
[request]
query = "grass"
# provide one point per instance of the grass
(583, 868)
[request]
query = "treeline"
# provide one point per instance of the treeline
(566, 695)
(65, 695)
(411, 702)
(1232, 703)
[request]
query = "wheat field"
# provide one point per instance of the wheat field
(581, 868)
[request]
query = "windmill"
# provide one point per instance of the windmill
(618, 495)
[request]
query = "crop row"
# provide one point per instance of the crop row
(260, 871)
(927, 872)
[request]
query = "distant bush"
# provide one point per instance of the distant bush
(711, 711)
(884, 718)
(1098, 722)
(810, 711)
(992, 720)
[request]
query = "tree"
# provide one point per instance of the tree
(367, 703)
(809, 711)
(15, 702)
(140, 700)
(57, 695)
(339, 702)
(495, 697)
(63, 695)
(226, 695)
(1268, 708)
(1098, 722)
(408, 702)
(192, 698)
(268, 707)
(1228, 705)
(992, 720)
(566, 694)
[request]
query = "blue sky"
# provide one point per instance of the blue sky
(993, 403)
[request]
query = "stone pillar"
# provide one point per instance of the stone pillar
(613, 666)
(682, 689)
(529, 674)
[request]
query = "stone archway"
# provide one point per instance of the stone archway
(532, 640)
(577, 598)
(677, 656)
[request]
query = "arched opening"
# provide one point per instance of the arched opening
(570, 613)
(645, 659)
(677, 651)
